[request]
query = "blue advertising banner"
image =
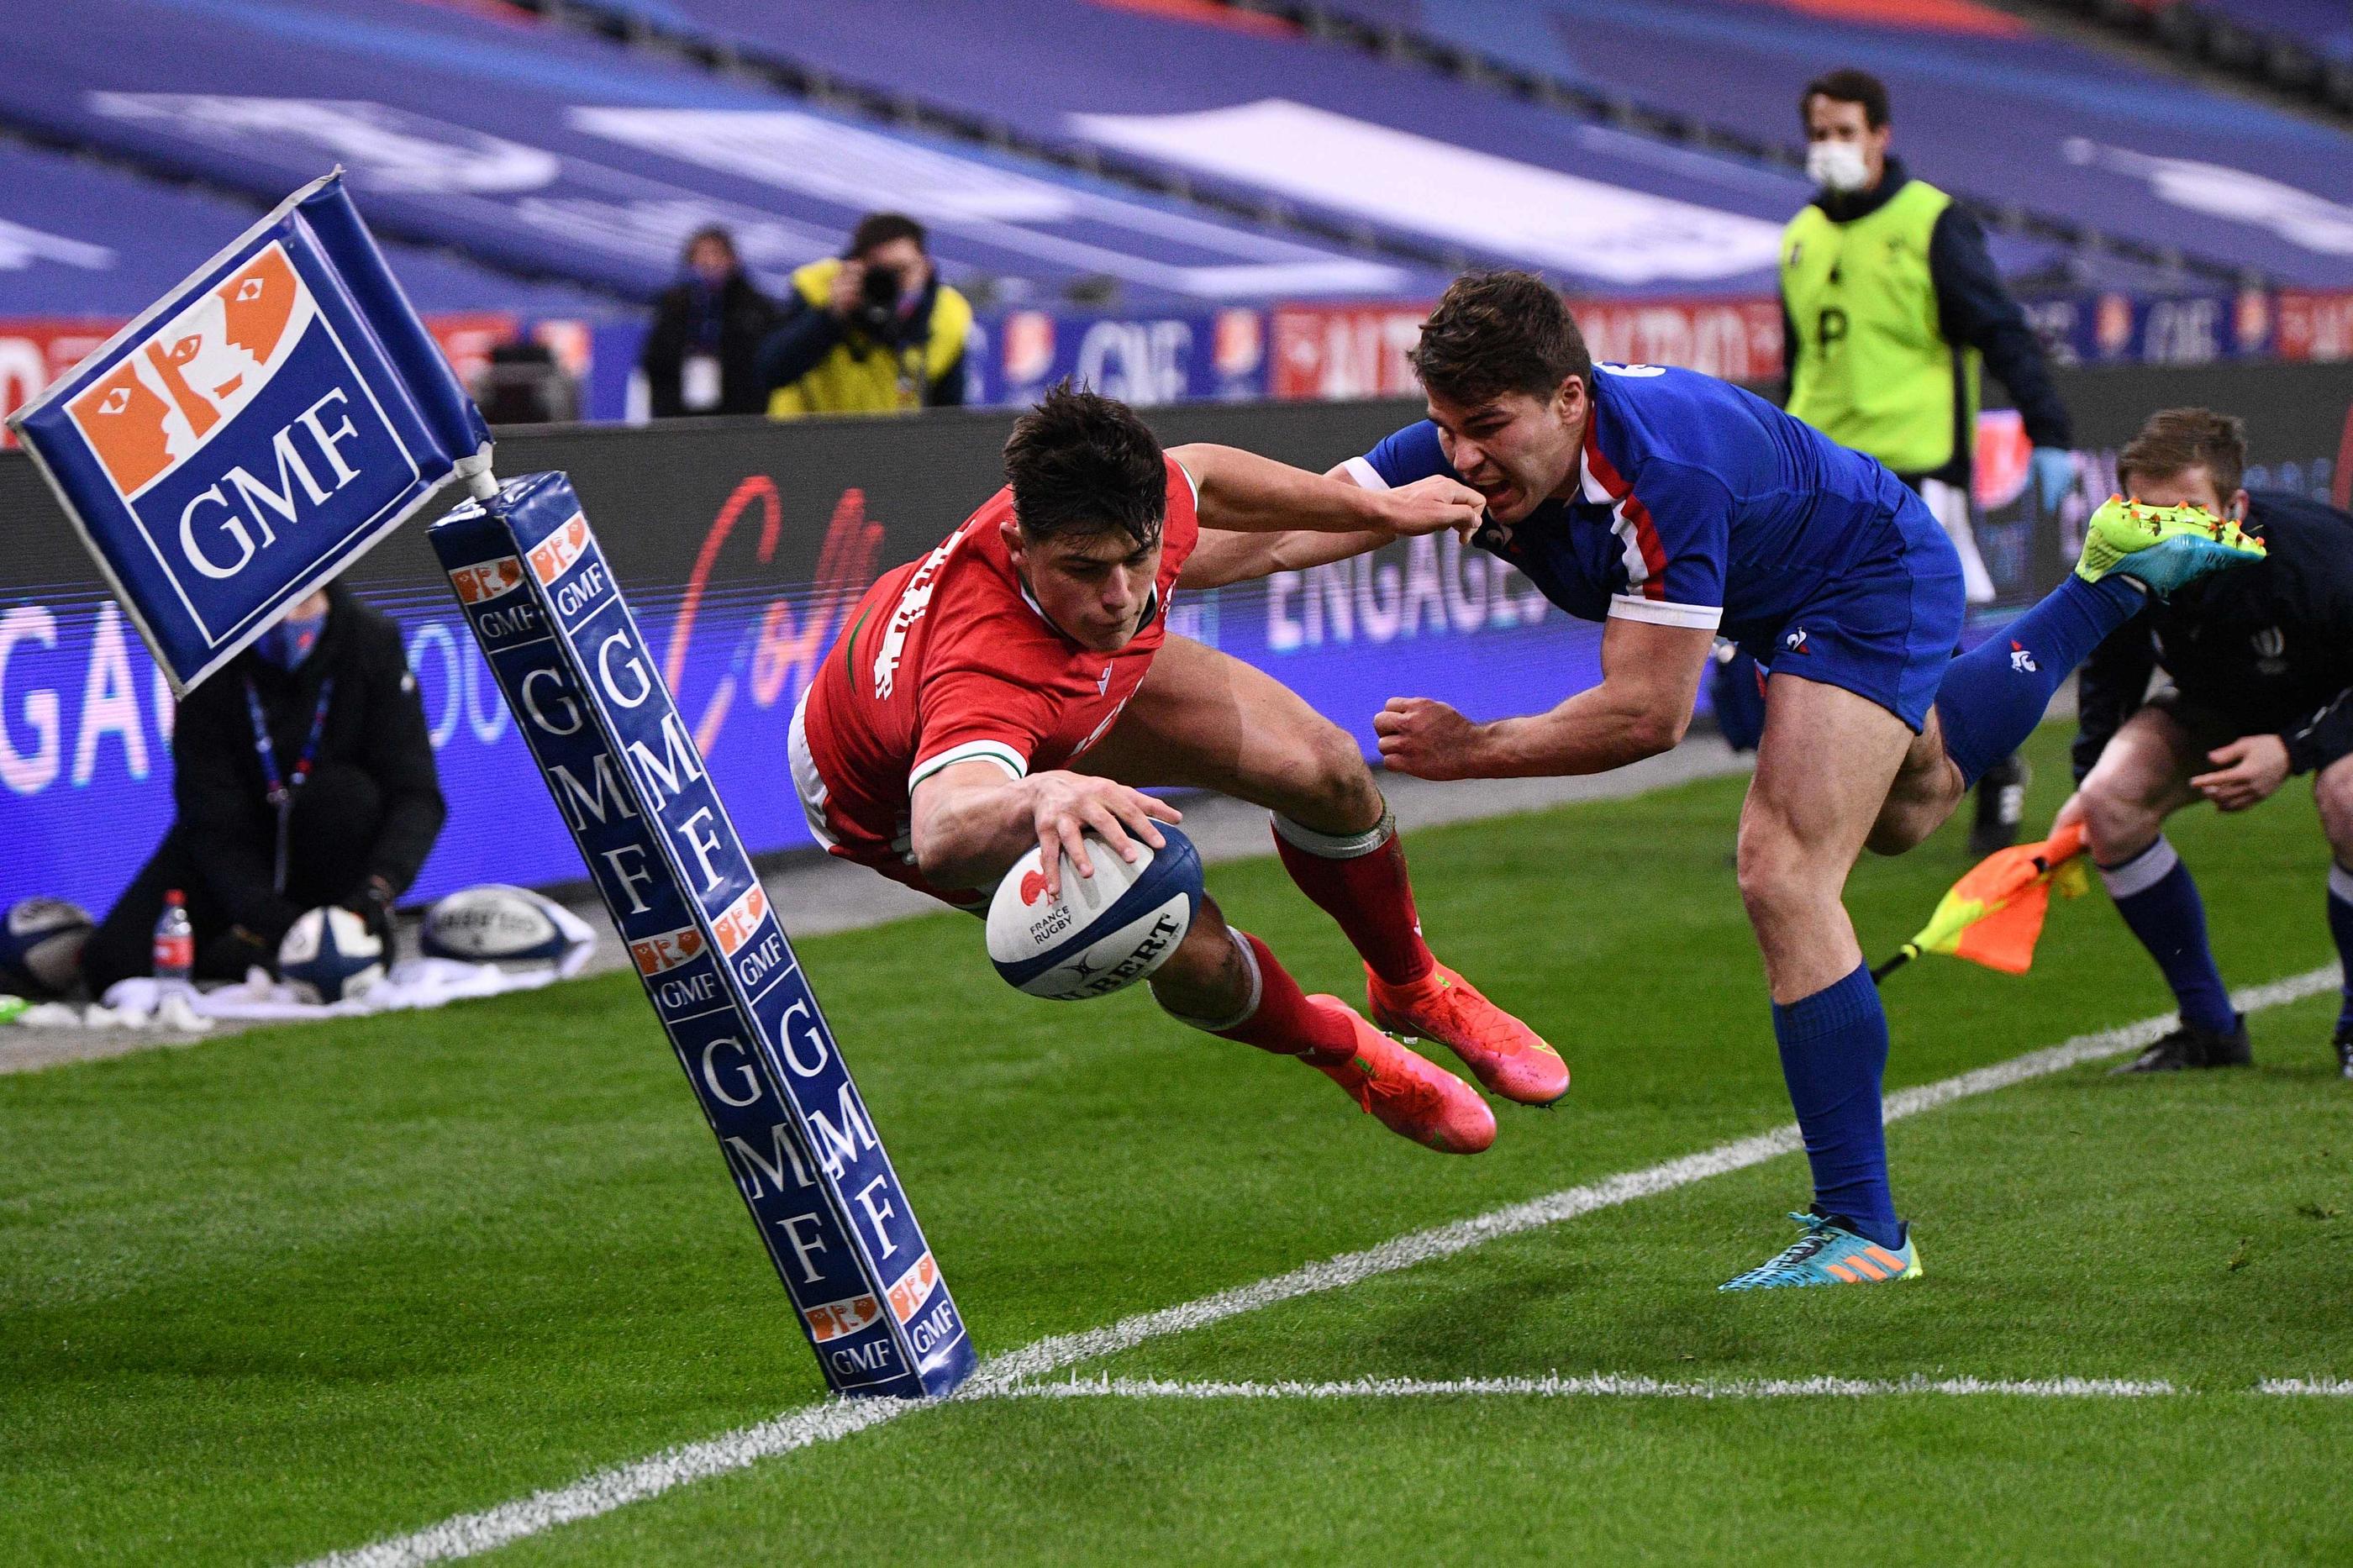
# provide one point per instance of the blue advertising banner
(716, 964)
(1210, 355)
(253, 433)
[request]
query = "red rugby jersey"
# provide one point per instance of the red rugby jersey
(947, 660)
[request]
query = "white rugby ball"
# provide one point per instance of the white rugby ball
(330, 955)
(1102, 933)
(495, 923)
(40, 946)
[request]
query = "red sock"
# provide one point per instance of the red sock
(1360, 882)
(1283, 1022)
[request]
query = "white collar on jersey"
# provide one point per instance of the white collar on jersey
(1151, 609)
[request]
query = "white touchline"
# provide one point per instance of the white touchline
(467, 1534)
(2326, 1388)
(1600, 1385)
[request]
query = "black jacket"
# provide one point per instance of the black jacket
(805, 333)
(731, 325)
(1973, 308)
(375, 721)
(2270, 643)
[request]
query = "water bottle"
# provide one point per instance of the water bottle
(175, 940)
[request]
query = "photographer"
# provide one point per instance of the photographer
(872, 331)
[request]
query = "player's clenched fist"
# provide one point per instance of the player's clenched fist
(1425, 737)
(1063, 805)
(1428, 505)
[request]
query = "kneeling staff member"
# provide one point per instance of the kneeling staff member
(2261, 660)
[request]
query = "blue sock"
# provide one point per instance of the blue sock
(2154, 892)
(1994, 696)
(2340, 926)
(1834, 1055)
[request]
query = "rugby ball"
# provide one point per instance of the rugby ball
(1104, 932)
(494, 923)
(40, 947)
(330, 955)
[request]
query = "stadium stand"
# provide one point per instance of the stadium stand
(1213, 99)
(79, 240)
(547, 152)
(2301, 48)
(1987, 105)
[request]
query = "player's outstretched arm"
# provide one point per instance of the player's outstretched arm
(1226, 556)
(1243, 492)
(1649, 677)
(969, 822)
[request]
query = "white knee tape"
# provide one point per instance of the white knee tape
(1335, 846)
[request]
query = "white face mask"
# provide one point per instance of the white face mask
(1836, 166)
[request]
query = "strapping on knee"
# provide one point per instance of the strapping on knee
(1336, 845)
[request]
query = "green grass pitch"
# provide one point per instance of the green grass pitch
(299, 1289)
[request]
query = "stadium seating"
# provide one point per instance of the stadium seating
(551, 152)
(80, 240)
(1241, 103)
(1984, 105)
(2300, 48)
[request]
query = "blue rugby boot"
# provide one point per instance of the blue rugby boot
(1829, 1254)
(2160, 547)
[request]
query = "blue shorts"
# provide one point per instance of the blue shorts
(1887, 626)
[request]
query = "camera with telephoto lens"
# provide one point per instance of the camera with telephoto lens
(877, 310)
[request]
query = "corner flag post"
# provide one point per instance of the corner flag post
(714, 960)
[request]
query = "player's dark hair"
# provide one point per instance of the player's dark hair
(2178, 439)
(1496, 332)
(877, 229)
(1848, 86)
(1081, 463)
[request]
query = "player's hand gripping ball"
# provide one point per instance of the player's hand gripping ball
(1102, 933)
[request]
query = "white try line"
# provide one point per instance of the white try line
(1599, 1385)
(467, 1534)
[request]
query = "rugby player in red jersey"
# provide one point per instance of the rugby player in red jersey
(1011, 686)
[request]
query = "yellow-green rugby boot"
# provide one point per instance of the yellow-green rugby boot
(2161, 547)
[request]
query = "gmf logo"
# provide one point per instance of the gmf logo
(195, 373)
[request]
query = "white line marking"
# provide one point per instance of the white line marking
(604, 1490)
(2326, 1387)
(1599, 1385)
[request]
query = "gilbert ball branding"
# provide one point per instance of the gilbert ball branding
(253, 433)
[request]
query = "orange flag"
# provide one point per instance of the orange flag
(1993, 915)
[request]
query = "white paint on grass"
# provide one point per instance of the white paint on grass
(2326, 1387)
(607, 1489)
(1599, 1385)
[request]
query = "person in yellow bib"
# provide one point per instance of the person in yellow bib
(1891, 311)
(873, 330)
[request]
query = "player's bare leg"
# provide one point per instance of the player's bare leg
(1927, 790)
(1204, 718)
(2142, 778)
(1823, 770)
(1226, 982)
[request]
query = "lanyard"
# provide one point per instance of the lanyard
(278, 789)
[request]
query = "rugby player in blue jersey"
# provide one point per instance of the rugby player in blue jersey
(1675, 508)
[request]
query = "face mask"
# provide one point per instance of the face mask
(1836, 166)
(290, 642)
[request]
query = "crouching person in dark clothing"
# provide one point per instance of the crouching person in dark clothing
(304, 776)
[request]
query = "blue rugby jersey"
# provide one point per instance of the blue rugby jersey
(1698, 504)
